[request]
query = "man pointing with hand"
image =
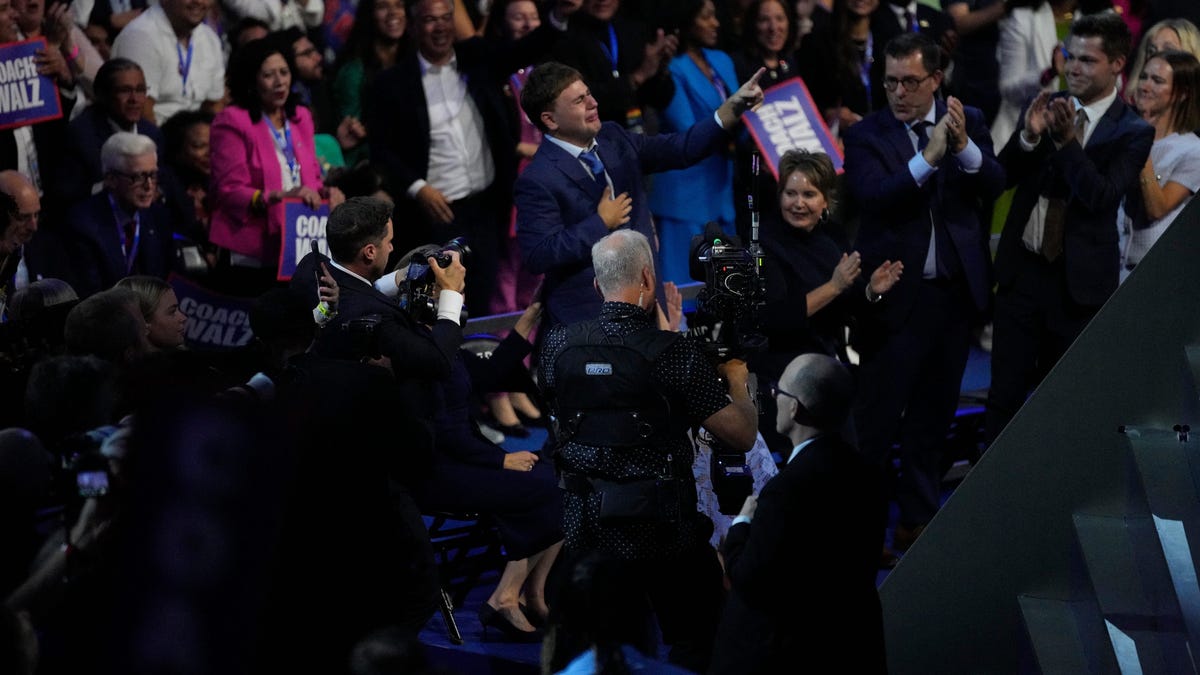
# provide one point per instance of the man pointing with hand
(586, 180)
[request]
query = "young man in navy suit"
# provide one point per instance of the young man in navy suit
(586, 180)
(1073, 159)
(920, 171)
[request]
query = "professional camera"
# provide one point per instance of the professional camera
(417, 289)
(729, 308)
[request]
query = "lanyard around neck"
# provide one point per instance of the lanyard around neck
(283, 141)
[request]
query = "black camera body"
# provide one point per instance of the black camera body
(729, 309)
(417, 290)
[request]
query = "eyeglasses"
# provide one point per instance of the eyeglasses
(910, 83)
(143, 178)
(774, 390)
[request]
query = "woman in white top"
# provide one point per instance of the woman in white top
(1166, 97)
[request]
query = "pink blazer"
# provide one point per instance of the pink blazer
(243, 161)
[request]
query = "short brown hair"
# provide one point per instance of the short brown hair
(543, 87)
(815, 166)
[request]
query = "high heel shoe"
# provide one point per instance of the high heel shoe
(490, 617)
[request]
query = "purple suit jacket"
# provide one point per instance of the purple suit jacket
(243, 161)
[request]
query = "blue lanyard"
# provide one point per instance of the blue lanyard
(864, 68)
(610, 50)
(119, 217)
(185, 64)
(283, 141)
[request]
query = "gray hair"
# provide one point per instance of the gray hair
(123, 146)
(618, 260)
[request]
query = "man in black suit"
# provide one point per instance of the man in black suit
(445, 140)
(120, 90)
(1072, 159)
(359, 232)
(919, 170)
(122, 230)
(801, 556)
(623, 62)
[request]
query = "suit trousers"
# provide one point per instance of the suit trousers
(908, 393)
(1036, 321)
(478, 218)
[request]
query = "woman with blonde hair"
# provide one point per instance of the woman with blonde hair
(1178, 34)
(166, 323)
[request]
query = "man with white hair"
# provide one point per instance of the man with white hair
(624, 395)
(123, 229)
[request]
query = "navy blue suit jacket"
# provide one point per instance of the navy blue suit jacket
(95, 243)
(1093, 180)
(802, 578)
(556, 202)
(86, 135)
(896, 211)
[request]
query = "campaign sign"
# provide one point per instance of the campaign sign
(215, 322)
(25, 97)
(789, 120)
(301, 227)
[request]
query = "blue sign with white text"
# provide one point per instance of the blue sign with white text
(789, 120)
(301, 227)
(25, 96)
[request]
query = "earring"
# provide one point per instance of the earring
(824, 216)
(641, 296)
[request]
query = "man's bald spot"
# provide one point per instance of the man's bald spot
(815, 378)
(17, 186)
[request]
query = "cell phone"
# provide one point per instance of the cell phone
(92, 483)
(317, 271)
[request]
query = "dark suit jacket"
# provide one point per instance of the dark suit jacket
(896, 211)
(584, 49)
(415, 351)
(398, 117)
(803, 570)
(1093, 180)
(50, 138)
(556, 202)
(95, 244)
(81, 169)
(86, 135)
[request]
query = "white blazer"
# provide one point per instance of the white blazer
(1026, 47)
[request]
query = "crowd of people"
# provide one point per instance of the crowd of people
(577, 147)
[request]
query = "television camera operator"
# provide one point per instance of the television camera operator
(624, 395)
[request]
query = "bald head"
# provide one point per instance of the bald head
(22, 223)
(824, 388)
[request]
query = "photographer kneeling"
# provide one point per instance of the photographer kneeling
(624, 395)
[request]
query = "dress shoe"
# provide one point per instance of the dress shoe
(903, 538)
(490, 617)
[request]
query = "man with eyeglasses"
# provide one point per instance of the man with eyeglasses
(123, 229)
(920, 172)
(120, 98)
(802, 580)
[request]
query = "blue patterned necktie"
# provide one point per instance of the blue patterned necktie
(593, 161)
